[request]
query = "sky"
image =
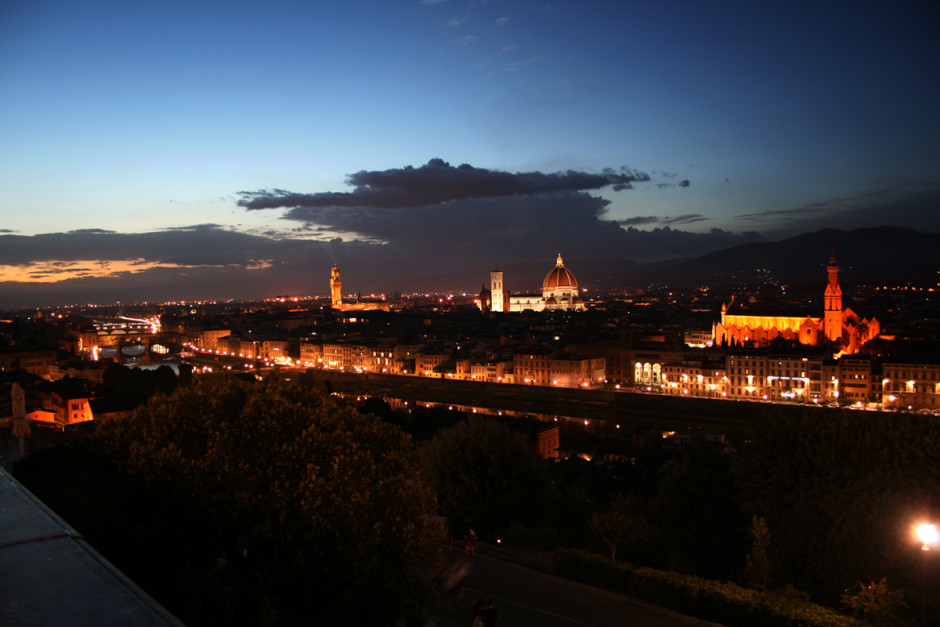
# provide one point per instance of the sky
(181, 150)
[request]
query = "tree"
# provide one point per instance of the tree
(485, 475)
(876, 603)
(698, 516)
(620, 524)
(757, 565)
(139, 384)
(320, 509)
(845, 487)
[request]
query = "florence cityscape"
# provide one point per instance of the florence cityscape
(461, 312)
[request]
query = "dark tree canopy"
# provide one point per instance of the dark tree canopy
(485, 476)
(319, 507)
(840, 493)
(697, 513)
(137, 383)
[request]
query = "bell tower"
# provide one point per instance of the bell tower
(496, 291)
(336, 287)
(832, 322)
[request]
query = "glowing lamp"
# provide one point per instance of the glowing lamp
(927, 534)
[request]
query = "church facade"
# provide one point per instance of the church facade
(559, 291)
(837, 325)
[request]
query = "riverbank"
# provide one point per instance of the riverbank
(625, 407)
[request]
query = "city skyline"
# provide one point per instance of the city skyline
(255, 146)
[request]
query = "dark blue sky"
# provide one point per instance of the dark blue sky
(130, 130)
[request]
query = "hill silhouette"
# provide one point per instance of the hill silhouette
(869, 255)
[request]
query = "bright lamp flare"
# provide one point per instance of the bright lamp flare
(927, 534)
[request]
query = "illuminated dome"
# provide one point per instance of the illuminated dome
(560, 278)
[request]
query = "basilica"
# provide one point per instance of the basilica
(559, 291)
(838, 326)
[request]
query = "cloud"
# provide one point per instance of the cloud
(683, 183)
(515, 66)
(667, 243)
(424, 248)
(638, 220)
(200, 245)
(764, 216)
(437, 183)
(90, 231)
(911, 202)
(502, 21)
(418, 228)
(463, 42)
(184, 263)
(688, 218)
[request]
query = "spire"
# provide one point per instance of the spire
(559, 263)
(833, 313)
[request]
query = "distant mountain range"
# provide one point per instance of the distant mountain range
(885, 254)
(888, 254)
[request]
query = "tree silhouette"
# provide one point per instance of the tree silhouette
(318, 506)
(620, 524)
(485, 476)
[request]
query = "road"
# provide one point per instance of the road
(527, 597)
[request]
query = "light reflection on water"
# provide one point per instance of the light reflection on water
(403, 405)
(174, 365)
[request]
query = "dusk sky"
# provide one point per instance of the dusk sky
(237, 149)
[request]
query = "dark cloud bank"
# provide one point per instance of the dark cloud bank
(409, 229)
(438, 182)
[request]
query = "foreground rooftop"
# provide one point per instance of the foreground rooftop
(51, 576)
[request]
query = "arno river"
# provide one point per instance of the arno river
(604, 409)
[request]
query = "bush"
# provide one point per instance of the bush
(535, 538)
(727, 603)
(876, 602)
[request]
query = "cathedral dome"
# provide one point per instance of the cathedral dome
(560, 277)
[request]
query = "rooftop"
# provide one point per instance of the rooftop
(51, 576)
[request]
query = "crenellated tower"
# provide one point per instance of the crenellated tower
(336, 287)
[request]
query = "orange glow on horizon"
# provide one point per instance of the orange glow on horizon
(55, 271)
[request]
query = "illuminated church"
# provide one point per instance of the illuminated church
(559, 291)
(837, 325)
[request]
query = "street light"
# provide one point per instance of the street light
(927, 534)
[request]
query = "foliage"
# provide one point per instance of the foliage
(699, 516)
(876, 602)
(620, 524)
(137, 383)
(846, 487)
(318, 506)
(535, 538)
(485, 476)
(727, 603)
(757, 566)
